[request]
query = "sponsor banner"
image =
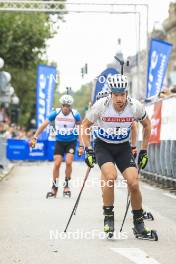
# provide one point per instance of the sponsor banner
(18, 149)
(163, 120)
(156, 123)
(100, 84)
(39, 152)
(46, 80)
(157, 65)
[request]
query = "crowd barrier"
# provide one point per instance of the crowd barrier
(44, 150)
(3, 160)
(161, 166)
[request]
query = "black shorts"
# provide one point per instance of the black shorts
(119, 154)
(63, 147)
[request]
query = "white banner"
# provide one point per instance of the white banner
(168, 119)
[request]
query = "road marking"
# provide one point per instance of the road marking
(170, 195)
(136, 255)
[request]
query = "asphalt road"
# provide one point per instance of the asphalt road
(31, 226)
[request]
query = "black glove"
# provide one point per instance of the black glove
(134, 152)
(142, 158)
(90, 157)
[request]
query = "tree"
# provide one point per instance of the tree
(23, 47)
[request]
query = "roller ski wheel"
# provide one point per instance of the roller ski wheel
(141, 232)
(109, 225)
(66, 192)
(53, 193)
(148, 216)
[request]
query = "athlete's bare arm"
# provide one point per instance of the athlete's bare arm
(134, 130)
(86, 132)
(146, 123)
(41, 128)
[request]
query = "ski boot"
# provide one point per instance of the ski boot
(139, 230)
(66, 191)
(147, 216)
(53, 192)
(109, 221)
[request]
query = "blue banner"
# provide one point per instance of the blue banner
(157, 65)
(101, 82)
(18, 149)
(37, 153)
(46, 80)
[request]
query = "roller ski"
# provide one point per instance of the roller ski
(109, 221)
(66, 191)
(147, 216)
(139, 229)
(53, 192)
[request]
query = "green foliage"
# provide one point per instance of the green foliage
(23, 38)
(82, 99)
(23, 46)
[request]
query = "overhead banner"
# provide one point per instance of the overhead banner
(46, 80)
(100, 84)
(157, 65)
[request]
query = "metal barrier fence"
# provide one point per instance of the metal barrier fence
(161, 167)
(3, 160)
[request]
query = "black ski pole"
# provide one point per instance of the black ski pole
(77, 200)
(76, 207)
(127, 206)
(126, 211)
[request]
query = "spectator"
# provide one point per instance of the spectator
(164, 93)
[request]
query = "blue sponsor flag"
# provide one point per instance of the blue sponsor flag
(101, 82)
(157, 65)
(46, 80)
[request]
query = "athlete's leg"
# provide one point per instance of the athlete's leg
(56, 167)
(68, 170)
(109, 175)
(105, 159)
(69, 150)
(58, 153)
(131, 175)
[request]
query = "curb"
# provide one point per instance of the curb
(6, 171)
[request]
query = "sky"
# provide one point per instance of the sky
(93, 38)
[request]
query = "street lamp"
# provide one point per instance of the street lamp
(5, 79)
(15, 109)
(15, 99)
(12, 91)
(84, 70)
